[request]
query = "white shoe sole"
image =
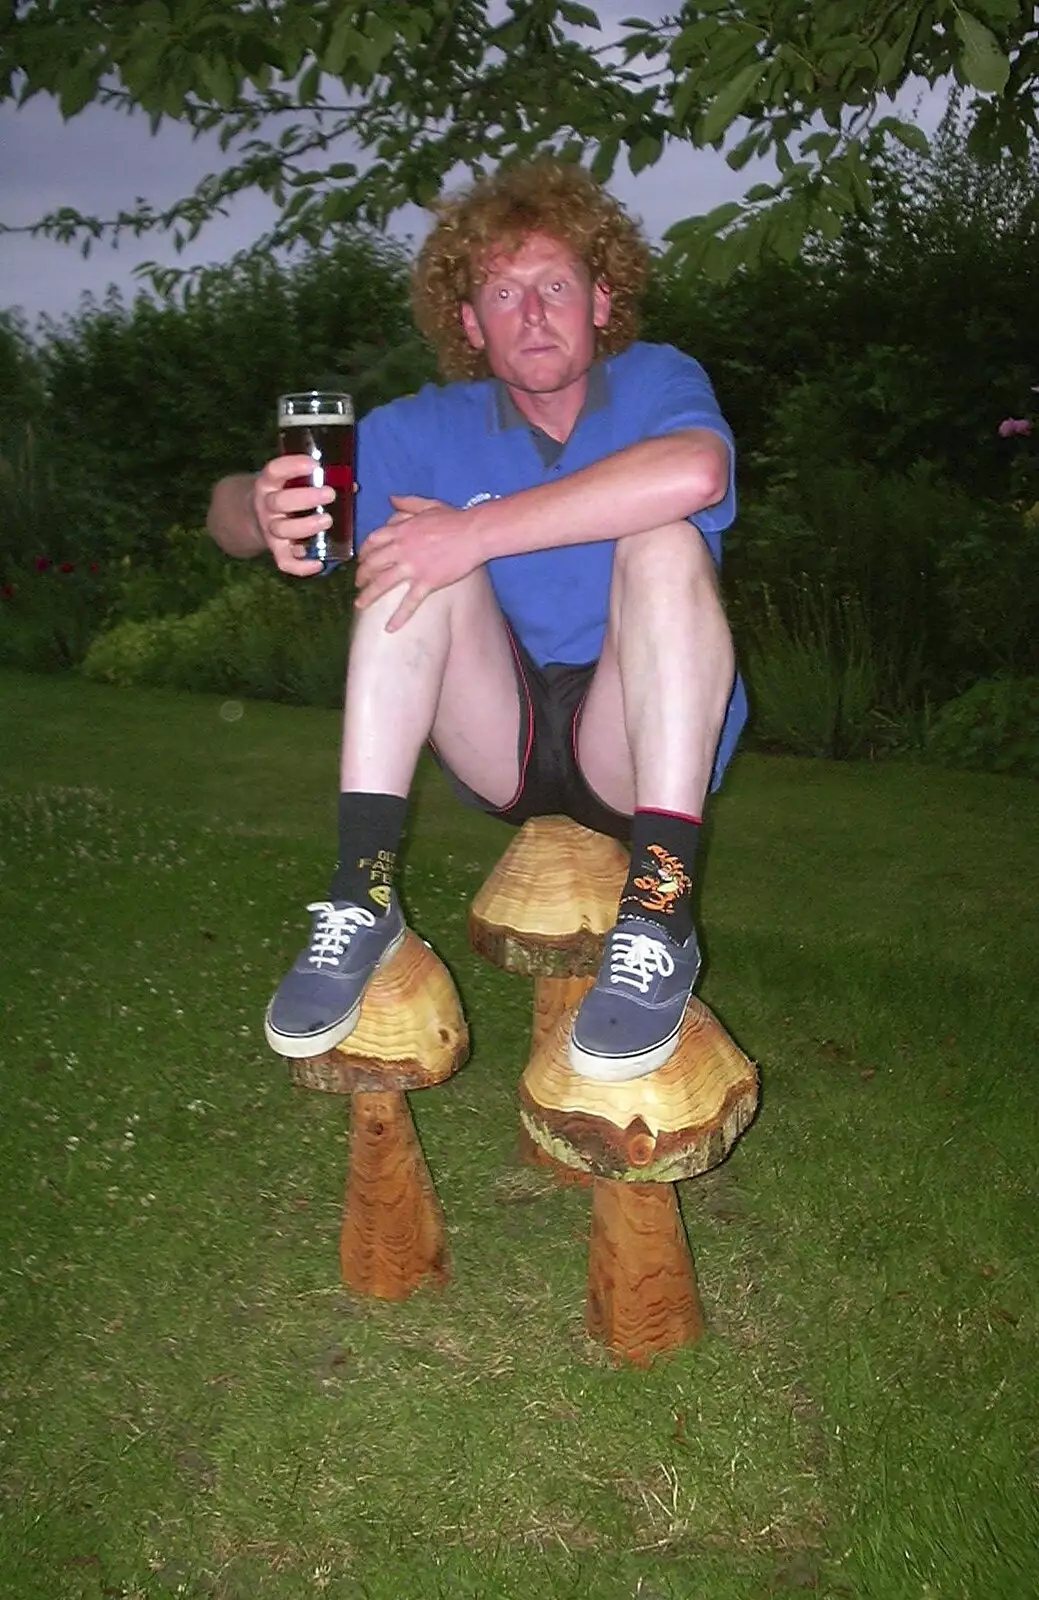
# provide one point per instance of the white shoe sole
(297, 1047)
(623, 1069)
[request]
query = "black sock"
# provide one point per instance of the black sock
(660, 880)
(370, 828)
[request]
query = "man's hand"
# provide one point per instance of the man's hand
(425, 544)
(275, 507)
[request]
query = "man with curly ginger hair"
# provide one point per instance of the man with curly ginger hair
(537, 597)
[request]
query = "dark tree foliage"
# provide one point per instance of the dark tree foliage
(151, 402)
(342, 110)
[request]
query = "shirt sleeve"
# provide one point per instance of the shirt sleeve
(680, 396)
(386, 461)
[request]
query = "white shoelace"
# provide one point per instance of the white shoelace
(333, 933)
(636, 958)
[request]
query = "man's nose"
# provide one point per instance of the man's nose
(532, 306)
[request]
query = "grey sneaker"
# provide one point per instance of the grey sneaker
(629, 1023)
(317, 1005)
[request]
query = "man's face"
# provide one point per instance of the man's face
(534, 314)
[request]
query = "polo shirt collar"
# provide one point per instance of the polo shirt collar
(507, 413)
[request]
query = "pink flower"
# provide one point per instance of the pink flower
(1014, 425)
(43, 563)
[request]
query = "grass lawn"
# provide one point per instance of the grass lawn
(193, 1405)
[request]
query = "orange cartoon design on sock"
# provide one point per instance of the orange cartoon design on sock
(669, 882)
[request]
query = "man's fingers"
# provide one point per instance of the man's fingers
(372, 584)
(291, 502)
(289, 558)
(292, 466)
(413, 502)
(375, 561)
(407, 608)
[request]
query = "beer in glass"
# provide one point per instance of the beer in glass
(320, 423)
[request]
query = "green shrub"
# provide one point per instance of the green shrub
(819, 684)
(946, 584)
(264, 637)
(994, 727)
(49, 610)
(184, 570)
(989, 573)
(165, 652)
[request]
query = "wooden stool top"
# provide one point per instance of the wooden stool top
(411, 1033)
(548, 904)
(674, 1123)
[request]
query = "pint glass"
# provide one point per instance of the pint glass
(320, 423)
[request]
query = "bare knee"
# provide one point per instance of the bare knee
(670, 566)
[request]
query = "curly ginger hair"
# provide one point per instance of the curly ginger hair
(544, 196)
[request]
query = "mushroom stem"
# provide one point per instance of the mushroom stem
(393, 1236)
(553, 997)
(643, 1297)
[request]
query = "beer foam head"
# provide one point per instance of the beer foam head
(320, 408)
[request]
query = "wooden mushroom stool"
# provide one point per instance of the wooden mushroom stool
(637, 1139)
(544, 912)
(411, 1035)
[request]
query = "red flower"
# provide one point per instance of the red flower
(67, 566)
(43, 563)
(93, 569)
(7, 592)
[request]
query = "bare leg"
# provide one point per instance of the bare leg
(654, 712)
(448, 673)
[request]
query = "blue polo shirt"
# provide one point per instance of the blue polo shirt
(465, 443)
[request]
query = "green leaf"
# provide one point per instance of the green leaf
(820, 144)
(338, 206)
(688, 90)
(604, 160)
(760, 191)
(343, 45)
(579, 16)
(891, 61)
(983, 62)
(309, 85)
(376, 43)
(78, 88)
(907, 133)
(741, 153)
(720, 258)
(827, 222)
(693, 44)
(721, 216)
(645, 152)
(787, 232)
(219, 79)
(727, 105)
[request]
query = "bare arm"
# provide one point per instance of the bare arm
(248, 515)
(231, 519)
(651, 483)
(648, 484)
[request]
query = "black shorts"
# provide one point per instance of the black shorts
(550, 782)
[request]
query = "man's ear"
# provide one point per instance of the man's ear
(602, 304)
(471, 325)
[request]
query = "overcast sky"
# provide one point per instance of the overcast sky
(102, 160)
